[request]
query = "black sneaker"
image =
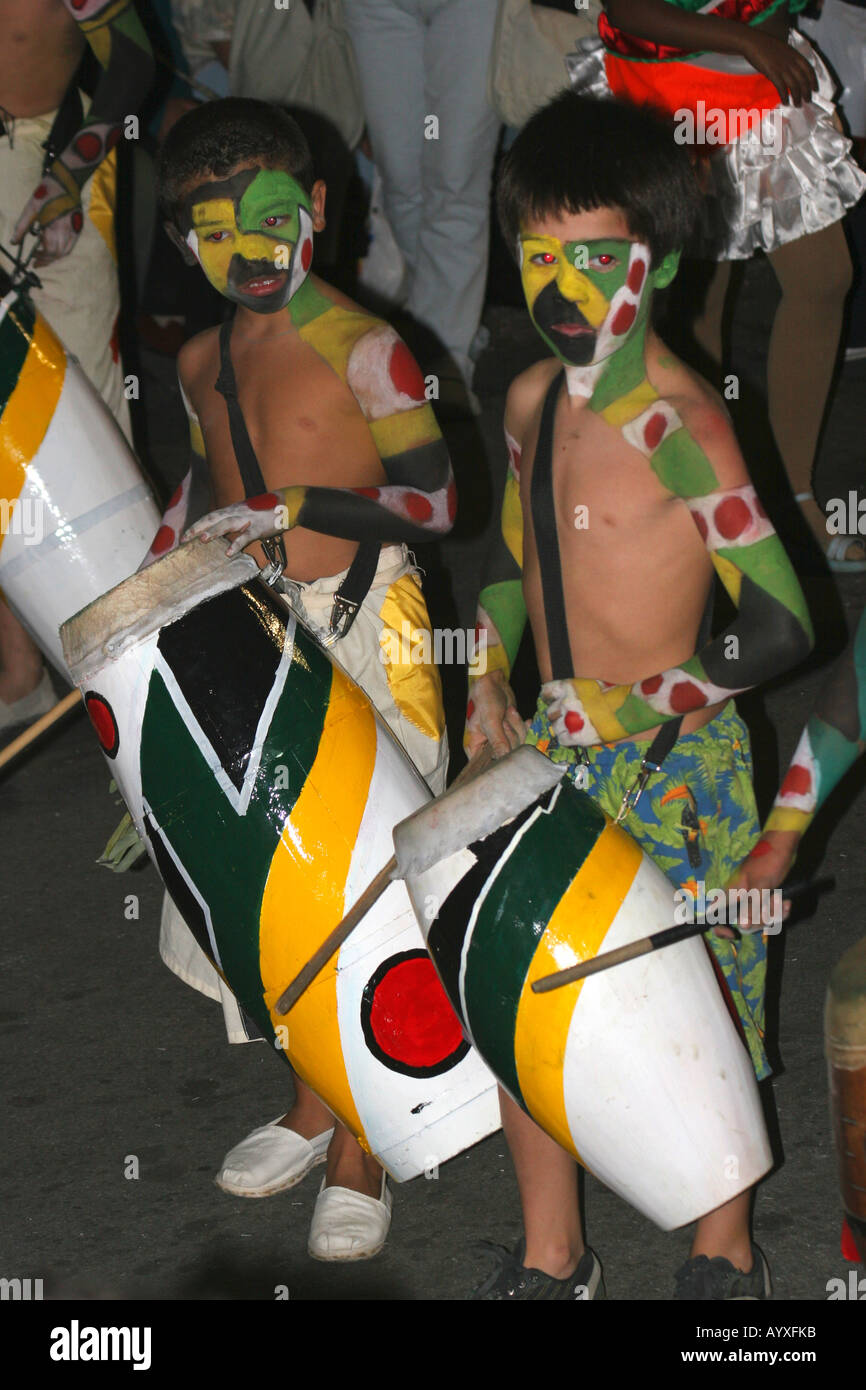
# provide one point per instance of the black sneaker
(702, 1278)
(512, 1279)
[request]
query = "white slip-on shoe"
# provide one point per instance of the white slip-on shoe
(271, 1159)
(348, 1225)
(29, 707)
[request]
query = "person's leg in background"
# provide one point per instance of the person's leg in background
(447, 288)
(388, 38)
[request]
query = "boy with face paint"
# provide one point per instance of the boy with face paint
(625, 492)
(332, 407)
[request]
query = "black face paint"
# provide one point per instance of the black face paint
(549, 311)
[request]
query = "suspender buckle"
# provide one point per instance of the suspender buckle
(342, 618)
(275, 551)
(634, 793)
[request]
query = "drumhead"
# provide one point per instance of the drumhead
(149, 600)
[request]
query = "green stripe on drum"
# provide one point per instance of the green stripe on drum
(226, 854)
(16, 334)
(513, 917)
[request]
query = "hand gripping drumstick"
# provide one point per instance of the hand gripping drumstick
(656, 942)
(40, 727)
(468, 811)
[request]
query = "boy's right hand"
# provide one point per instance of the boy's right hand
(492, 717)
(787, 69)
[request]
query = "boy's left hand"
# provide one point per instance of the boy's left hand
(767, 867)
(256, 519)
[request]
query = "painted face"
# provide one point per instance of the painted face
(585, 297)
(252, 235)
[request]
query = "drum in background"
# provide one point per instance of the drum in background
(637, 1071)
(845, 1043)
(76, 514)
(265, 787)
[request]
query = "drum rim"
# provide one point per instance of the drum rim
(148, 600)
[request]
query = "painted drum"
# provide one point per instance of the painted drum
(637, 1071)
(845, 1042)
(266, 787)
(76, 514)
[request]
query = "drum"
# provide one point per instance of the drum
(76, 515)
(845, 1041)
(638, 1071)
(265, 787)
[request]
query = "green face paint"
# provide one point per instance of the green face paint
(252, 235)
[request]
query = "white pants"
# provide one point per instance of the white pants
(420, 59)
(408, 698)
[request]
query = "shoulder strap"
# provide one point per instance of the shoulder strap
(546, 540)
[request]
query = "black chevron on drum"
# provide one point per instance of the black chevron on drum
(225, 667)
(447, 934)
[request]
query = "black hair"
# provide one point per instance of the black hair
(213, 139)
(578, 154)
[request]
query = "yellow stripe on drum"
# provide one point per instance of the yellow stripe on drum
(30, 409)
(574, 933)
(304, 896)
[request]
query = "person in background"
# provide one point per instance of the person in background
(57, 183)
(423, 67)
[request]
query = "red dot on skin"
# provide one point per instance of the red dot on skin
(175, 497)
(103, 721)
(451, 502)
(686, 696)
(634, 279)
(419, 508)
(78, 4)
(163, 540)
(654, 429)
(265, 503)
(623, 319)
(470, 709)
(41, 191)
(761, 848)
(732, 517)
(88, 146)
(411, 1018)
(77, 221)
(651, 685)
(574, 722)
(112, 138)
(405, 372)
(701, 523)
(307, 254)
(368, 492)
(798, 781)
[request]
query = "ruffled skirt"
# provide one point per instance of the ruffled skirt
(787, 176)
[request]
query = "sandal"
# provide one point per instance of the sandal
(836, 549)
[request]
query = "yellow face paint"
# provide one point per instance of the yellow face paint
(252, 236)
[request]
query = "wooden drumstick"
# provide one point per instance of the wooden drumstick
(39, 728)
(656, 942)
(371, 894)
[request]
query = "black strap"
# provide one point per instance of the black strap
(550, 567)
(359, 577)
(66, 124)
(547, 541)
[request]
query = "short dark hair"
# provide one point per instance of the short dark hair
(213, 139)
(578, 154)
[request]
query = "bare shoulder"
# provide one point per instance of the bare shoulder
(526, 394)
(706, 418)
(198, 359)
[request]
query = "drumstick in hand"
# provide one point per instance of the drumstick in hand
(371, 894)
(656, 942)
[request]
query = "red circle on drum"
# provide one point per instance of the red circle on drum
(407, 1021)
(103, 720)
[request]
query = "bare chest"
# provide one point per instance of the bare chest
(40, 48)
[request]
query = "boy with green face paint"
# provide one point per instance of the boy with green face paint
(324, 404)
(625, 491)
